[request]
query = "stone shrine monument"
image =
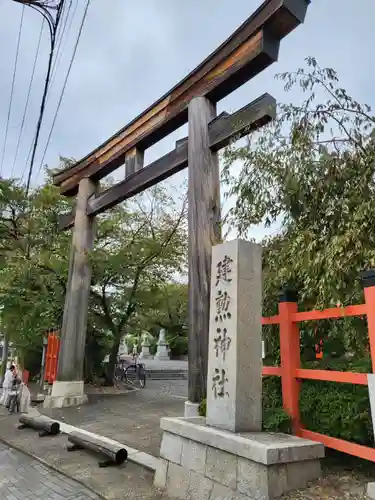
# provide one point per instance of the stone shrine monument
(225, 455)
(162, 353)
(123, 348)
(145, 346)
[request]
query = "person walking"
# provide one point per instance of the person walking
(7, 385)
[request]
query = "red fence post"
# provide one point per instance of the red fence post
(368, 281)
(47, 366)
(52, 355)
(290, 357)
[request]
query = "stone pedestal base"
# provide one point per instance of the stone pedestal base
(65, 394)
(162, 353)
(201, 462)
(191, 409)
(145, 353)
(371, 490)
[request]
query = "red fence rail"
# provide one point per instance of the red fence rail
(290, 369)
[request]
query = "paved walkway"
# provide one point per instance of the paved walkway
(23, 478)
(126, 482)
(171, 365)
(132, 419)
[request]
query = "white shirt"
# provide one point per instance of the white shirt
(8, 379)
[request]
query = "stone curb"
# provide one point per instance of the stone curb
(136, 456)
(51, 467)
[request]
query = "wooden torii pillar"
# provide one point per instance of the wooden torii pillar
(204, 227)
(252, 48)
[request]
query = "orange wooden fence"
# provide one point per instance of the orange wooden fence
(292, 374)
(290, 370)
(51, 360)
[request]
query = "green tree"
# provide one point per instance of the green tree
(139, 247)
(167, 309)
(312, 171)
(33, 275)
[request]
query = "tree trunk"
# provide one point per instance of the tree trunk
(112, 360)
(4, 358)
(87, 369)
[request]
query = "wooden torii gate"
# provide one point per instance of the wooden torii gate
(248, 51)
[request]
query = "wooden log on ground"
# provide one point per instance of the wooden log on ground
(115, 454)
(46, 426)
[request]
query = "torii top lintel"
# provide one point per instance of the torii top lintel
(247, 52)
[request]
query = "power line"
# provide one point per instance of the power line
(28, 96)
(59, 52)
(53, 26)
(12, 89)
(65, 82)
(53, 74)
(60, 35)
(57, 32)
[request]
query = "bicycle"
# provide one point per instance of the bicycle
(13, 403)
(135, 372)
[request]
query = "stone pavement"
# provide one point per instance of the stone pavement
(126, 482)
(132, 419)
(155, 364)
(24, 478)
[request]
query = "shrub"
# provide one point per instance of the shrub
(202, 410)
(274, 417)
(338, 410)
(178, 346)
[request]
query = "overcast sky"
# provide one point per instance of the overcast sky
(131, 52)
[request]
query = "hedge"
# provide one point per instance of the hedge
(338, 410)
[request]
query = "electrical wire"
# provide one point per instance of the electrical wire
(12, 89)
(59, 37)
(59, 51)
(53, 27)
(65, 82)
(50, 84)
(28, 97)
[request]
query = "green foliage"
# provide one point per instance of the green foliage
(32, 356)
(140, 247)
(97, 346)
(312, 172)
(178, 346)
(166, 308)
(274, 417)
(202, 409)
(338, 410)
